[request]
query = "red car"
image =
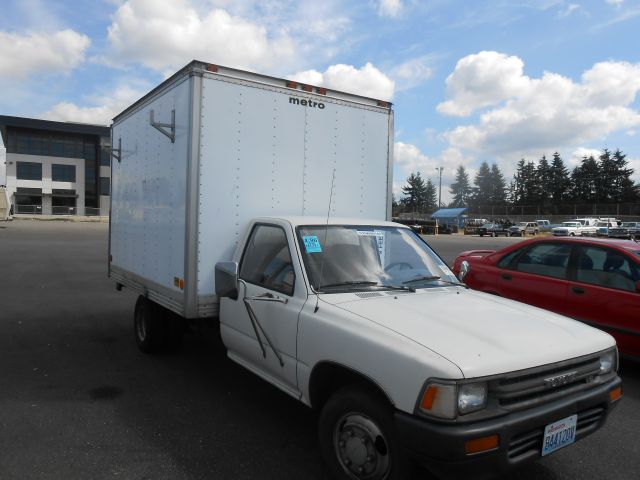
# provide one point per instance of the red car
(596, 281)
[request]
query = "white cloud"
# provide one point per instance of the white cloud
(167, 34)
(576, 156)
(543, 114)
(24, 54)
(571, 8)
(483, 79)
(103, 109)
(615, 2)
(367, 81)
(389, 8)
(412, 73)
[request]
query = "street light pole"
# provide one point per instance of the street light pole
(439, 170)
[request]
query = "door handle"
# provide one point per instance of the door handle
(506, 276)
(578, 290)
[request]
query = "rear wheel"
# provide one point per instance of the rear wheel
(156, 329)
(357, 438)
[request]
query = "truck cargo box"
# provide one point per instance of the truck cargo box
(212, 147)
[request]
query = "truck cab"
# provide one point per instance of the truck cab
(331, 313)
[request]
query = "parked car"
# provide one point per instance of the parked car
(603, 226)
(593, 280)
(545, 225)
(626, 230)
(493, 230)
(524, 228)
(567, 229)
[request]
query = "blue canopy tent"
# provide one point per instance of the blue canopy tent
(450, 216)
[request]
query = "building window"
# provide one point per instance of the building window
(105, 156)
(63, 173)
(28, 200)
(28, 171)
(104, 185)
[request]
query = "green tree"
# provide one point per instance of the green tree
(415, 198)
(498, 186)
(482, 182)
(628, 191)
(525, 183)
(460, 189)
(559, 182)
(543, 174)
(585, 180)
(431, 196)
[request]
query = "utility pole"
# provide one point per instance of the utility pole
(439, 170)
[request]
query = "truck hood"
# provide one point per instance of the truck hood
(480, 333)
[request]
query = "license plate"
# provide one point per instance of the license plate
(559, 434)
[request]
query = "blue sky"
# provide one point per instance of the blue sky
(470, 80)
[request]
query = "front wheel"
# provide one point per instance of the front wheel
(357, 439)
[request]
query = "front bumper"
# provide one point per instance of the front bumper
(441, 447)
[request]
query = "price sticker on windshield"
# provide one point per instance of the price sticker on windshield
(312, 244)
(379, 238)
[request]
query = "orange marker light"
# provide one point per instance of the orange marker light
(481, 444)
(615, 394)
(181, 284)
(429, 397)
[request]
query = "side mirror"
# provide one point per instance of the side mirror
(226, 275)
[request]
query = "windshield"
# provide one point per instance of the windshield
(345, 258)
(629, 224)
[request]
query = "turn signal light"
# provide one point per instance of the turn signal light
(429, 397)
(615, 394)
(482, 444)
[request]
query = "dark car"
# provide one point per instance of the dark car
(492, 230)
(626, 230)
(593, 280)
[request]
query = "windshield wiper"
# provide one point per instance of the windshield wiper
(348, 283)
(398, 287)
(434, 277)
(367, 284)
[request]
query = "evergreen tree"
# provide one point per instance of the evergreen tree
(559, 181)
(543, 174)
(498, 186)
(431, 196)
(460, 189)
(526, 183)
(482, 189)
(585, 180)
(414, 193)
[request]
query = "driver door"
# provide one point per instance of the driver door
(260, 327)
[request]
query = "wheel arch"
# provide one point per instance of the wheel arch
(328, 377)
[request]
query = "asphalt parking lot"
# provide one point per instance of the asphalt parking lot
(78, 400)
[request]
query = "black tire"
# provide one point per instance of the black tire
(360, 414)
(156, 329)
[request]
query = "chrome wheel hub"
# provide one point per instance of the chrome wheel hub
(361, 447)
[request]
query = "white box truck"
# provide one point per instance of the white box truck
(263, 203)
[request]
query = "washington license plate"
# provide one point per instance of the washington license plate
(559, 434)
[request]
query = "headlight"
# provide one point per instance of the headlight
(607, 362)
(447, 400)
(464, 269)
(472, 397)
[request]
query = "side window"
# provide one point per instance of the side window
(546, 259)
(508, 258)
(606, 268)
(267, 262)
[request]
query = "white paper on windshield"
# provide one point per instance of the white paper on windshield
(379, 236)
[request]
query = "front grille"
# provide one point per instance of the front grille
(526, 389)
(530, 443)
